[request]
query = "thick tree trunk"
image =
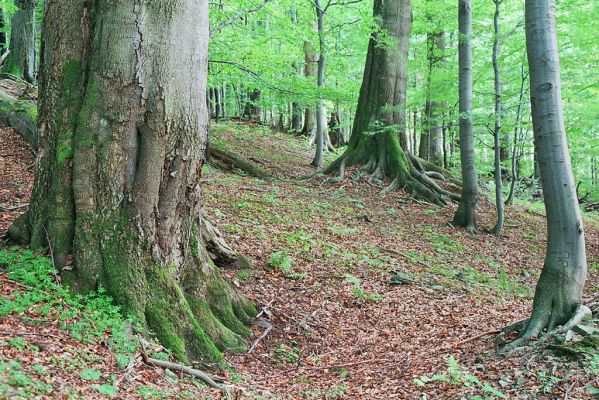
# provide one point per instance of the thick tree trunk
(123, 129)
(21, 60)
(465, 214)
(381, 113)
(497, 131)
(559, 290)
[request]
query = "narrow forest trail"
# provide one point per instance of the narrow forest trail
(323, 255)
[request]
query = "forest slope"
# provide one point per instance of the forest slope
(323, 256)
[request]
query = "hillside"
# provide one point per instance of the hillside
(365, 294)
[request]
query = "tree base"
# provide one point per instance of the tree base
(382, 157)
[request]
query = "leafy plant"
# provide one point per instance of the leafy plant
(455, 376)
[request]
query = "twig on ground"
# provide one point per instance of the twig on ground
(4, 208)
(268, 328)
(493, 332)
(179, 367)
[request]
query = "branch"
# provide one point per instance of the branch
(237, 16)
(254, 74)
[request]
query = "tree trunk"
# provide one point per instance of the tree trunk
(518, 136)
(559, 290)
(497, 131)
(321, 118)
(309, 60)
(465, 214)
(252, 110)
(21, 60)
(436, 44)
(123, 128)
(381, 113)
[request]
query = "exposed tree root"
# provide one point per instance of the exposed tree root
(387, 161)
(535, 328)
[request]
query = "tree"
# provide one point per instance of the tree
(21, 60)
(321, 118)
(380, 115)
(465, 214)
(123, 125)
(559, 289)
(434, 108)
(497, 130)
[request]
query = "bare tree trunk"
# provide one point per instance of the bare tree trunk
(21, 61)
(309, 60)
(497, 131)
(559, 290)
(123, 130)
(465, 214)
(517, 138)
(321, 118)
(436, 48)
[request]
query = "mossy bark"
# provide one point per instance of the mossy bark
(380, 116)
(21, 60)
(123, 128)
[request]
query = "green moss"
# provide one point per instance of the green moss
(64, 150)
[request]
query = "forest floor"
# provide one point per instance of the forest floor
(323, 255)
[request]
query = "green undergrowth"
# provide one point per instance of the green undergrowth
(91, 320)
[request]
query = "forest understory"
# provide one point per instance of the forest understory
(368, 297)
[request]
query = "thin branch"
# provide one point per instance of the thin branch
(237, 16)
(255, 75)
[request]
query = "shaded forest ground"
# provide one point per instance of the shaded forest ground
(323, 255)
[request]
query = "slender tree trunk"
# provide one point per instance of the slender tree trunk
(415, 133)
(321, 118)
(559, 290)
(309, 60)
(123, 128)
(517, 136)
(436, 44)
(497, 131)
(465, 214)
(3, 40)
(21, 61)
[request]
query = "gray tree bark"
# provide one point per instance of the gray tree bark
(497, 130)
(436, 43)
(465, 214)
(321, 118)
(21, 60)
(123, 130)
(559, 290)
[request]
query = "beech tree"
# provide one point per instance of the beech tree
(380, 116)
(123, 128)
(559, 290)
(465, 214)
(21, 60)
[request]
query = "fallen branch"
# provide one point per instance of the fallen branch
(237, 161)
(4, 208)
(268, 328)
(181, 368)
